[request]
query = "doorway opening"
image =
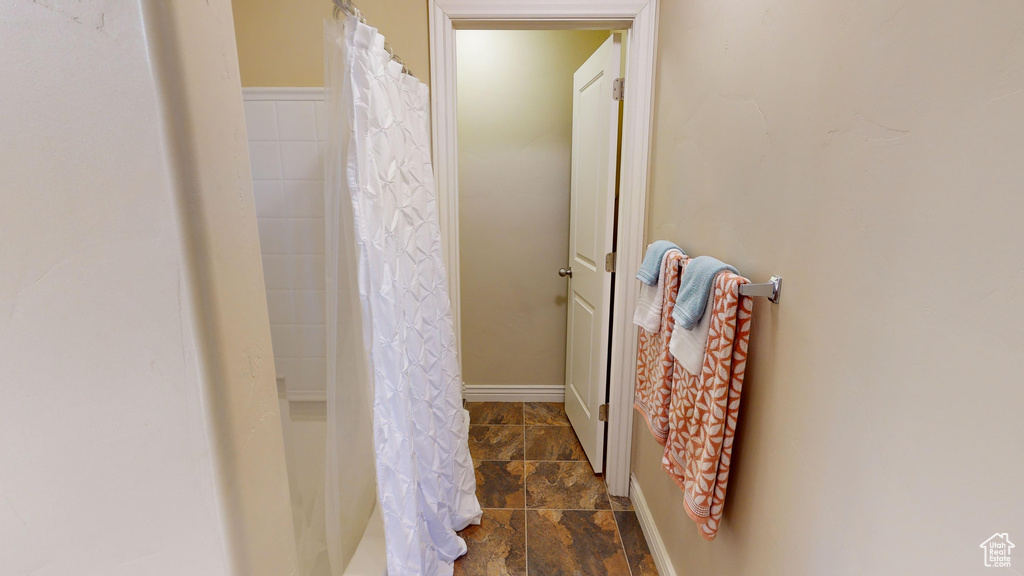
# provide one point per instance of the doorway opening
(536, 477)
(538, 140)
(638, 19)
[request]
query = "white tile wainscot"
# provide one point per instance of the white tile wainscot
(285, 148)
(286, 151)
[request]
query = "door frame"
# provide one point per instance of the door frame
(639, 18)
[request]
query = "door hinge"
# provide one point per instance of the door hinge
(609, 262)
(619, 88)
(602, 413)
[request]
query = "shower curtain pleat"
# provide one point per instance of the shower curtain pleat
(380, 192)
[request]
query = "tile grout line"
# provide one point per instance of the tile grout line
(526, 425)
(557, 509)
(524, 459)
(622, 542)
(526, 535)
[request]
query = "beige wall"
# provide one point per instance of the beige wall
(515, 134)
(139, 431)
(281, 42)
(870, 153)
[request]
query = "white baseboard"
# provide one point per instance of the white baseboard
(283, 93)
(654, 541)
(513, 393)
(479, 393)
(306, 395)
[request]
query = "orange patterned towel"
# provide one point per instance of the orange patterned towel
(703, 409)
(654, 362)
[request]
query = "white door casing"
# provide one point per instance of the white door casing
(595, 136)
(640, 20)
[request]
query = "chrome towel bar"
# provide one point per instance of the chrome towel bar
(770, 290)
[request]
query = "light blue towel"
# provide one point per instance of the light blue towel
(650, 269)
(695, 287)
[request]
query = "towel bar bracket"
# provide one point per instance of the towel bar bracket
(772, 290)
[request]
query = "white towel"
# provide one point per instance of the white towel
(689, 346)
(649, 306)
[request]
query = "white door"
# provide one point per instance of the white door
(595, 135)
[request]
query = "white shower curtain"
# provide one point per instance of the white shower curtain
(393, 348)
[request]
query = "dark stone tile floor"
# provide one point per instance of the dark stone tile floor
(545, 511)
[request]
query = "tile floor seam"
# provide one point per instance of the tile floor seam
(526, 529)
(559, 509)
(622, 542)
